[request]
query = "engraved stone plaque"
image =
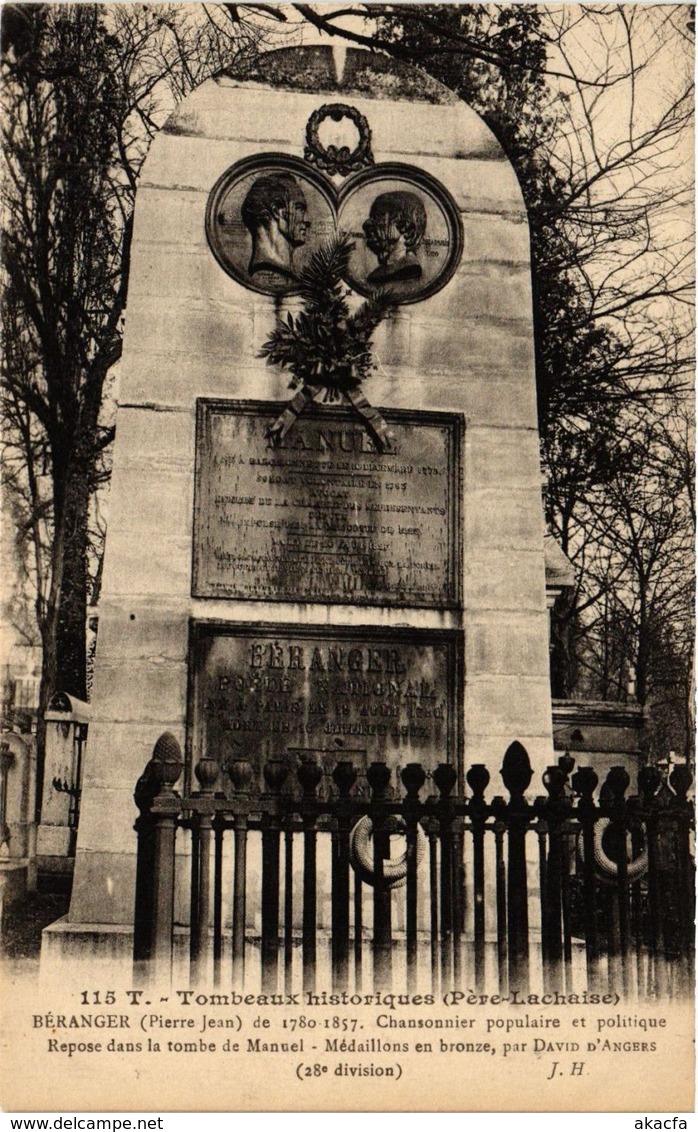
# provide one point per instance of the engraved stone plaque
(330, 694)
(325, 517)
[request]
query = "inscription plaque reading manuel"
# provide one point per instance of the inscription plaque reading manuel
(324, 516)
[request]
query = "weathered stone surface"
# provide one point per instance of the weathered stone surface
(158, 437)
(176, 226)
(103, 884)
(504, 645)
(483, 345)
(151, 383)
(478, 186)
(172, 275)
(167, 568)
(502, 457)
(138, 690)
(500, 518)
(496, 239)
(493, 291)
(206, 159)
(505, 581)
(433, 130)
(163, 497)
(143, 630)
(505, 705)
(188, 327)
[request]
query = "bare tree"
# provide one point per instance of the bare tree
(633, 541)
(86, 87)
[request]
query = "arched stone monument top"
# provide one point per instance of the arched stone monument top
(412, 117)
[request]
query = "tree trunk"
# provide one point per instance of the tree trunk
(71, 606)
(63, 629)
(563, 634)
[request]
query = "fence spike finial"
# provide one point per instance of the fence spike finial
(617, 782)
(478, 779)
(649, 779)
(516, 770)
(378, 775)
(680, 781)
(344, 776)
(167, 755)
(413, 778)
(554, 779)
(566, 764)
(309, 775)
(584, 782)
(275, 774)
(147, 786)
(207, 771)
(445, 777)
(240, 773)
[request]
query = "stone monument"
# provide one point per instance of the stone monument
(320, 588)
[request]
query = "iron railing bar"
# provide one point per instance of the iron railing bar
(239, 901)
(217, 903)
(288, 908)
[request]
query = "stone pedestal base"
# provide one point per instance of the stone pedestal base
(108, 947)
(104, 952)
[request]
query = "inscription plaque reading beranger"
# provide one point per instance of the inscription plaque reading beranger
(295, 692)
(324, 516)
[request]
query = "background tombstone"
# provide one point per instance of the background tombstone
(17, 825)
(67, 720)
(193, 332)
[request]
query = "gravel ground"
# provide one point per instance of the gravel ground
(22, 925)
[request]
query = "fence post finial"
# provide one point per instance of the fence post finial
(167, 755)
(516, 770)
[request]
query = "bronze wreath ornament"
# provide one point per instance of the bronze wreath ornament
(606, 867)
(334, 159)
(326, 348)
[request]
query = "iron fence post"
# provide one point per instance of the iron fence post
(413, 779)
(378, 775)
(344, 776)
(517, 774)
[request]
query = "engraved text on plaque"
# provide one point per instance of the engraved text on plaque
(293, 692)
(326, 517)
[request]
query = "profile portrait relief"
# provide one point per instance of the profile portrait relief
(267, 215)
(275, 212)
(394, 231)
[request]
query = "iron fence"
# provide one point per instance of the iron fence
(580, 889)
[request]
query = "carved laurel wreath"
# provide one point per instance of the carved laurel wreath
(334, 159)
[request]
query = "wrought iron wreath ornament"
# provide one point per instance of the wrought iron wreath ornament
(334, 159)
(606, 867)
(361, 853)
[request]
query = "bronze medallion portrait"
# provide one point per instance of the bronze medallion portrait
(267, 215)
(406, 230)
(264, 219)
